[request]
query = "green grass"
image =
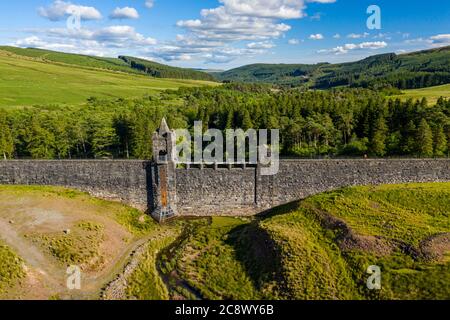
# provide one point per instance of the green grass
(294, 253)
(11, 268)
(27, 82)
(113, 64)
(81, 246)
(203, 263)
(145, 282)
(314, 266)
(432, 93)
(407, 213)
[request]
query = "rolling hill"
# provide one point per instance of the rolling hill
(71, 79)
(158, 70)
(122, 63)
(406, 71)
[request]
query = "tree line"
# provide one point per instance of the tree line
(341, 122)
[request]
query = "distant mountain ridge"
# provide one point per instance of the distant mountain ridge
(159, 70)
(406, 71)
(122, 63)
(414, 70)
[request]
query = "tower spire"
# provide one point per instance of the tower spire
(164, 128)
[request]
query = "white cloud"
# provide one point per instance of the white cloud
(149, 3)
(261, 45)
(337, 36)
(233, 29)
(275, 9)
(358, 36)
(219, 24)
(259, 21)
(59, 10)
(418, 41)
(440, 39)
(124, 13)
(107, 41)
(294, 42)
(317, 36)
(351, 46)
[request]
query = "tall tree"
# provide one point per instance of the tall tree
(378, 142)
(440, 143)
(6, 137)
(424, 142)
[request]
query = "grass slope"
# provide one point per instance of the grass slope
(26, 81)
(11, 268)
(320, 248)
(357, 227)
(123, 64)
(432, 93)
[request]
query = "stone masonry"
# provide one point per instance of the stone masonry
(163, 190)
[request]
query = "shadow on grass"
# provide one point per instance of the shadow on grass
(257, 251)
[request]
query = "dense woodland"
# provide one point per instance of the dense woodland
(344, 122)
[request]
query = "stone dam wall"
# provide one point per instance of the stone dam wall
(221, 191)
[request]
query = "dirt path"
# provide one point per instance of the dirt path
(29, 213)
(32, 256)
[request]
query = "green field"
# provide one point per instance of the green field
(432, 93)
(26, 81)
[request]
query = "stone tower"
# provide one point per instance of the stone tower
(163, 173)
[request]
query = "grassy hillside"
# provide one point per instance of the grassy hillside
(407, 71)
(26, 81)
(158, 70)
(113, 64)
(45, 229)
(432, 93)
(123, 64)
(320, 248)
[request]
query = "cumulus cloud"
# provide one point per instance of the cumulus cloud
(219, 24)
(107, 41)
(256, 21)
(337, 36)
(317, 36)
(59, 10)
(351, 46)
(233, 29)
(124, 13)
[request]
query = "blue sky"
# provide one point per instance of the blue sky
(225, 33)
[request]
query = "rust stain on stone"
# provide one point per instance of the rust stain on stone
(163, 179)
